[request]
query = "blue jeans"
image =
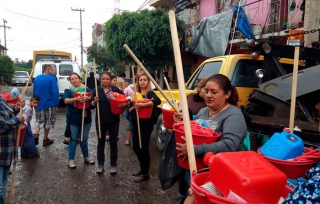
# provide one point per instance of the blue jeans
(4, 171)
(75, 134)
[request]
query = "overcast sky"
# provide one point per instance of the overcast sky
(43, 24)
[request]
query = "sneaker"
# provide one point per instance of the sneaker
(113, 170)
(99, 169)
(71, 164)
(88, 160)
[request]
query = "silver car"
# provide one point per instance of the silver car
(20, 77)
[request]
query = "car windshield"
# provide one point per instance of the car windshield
(20, 74)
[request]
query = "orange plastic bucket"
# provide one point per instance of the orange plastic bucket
(115, 106)
(167, 116)
(23, 129)
(203, 196)
(80, 105)
(197, 140)
(144, 113)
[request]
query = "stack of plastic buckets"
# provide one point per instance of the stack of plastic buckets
(244, 174)
(198, 138)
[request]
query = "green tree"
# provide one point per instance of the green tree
(146, 33)
(6, 68)
(22, 65)
(104, 59)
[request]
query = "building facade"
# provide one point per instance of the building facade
(3, 50)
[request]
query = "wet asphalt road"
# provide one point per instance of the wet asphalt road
(49, 180)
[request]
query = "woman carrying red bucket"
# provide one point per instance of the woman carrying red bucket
(143, 87)
(195, 104)
(221, 115)
(77, 96)
(109, 122)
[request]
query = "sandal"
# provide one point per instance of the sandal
(36, 138)
(47, 142)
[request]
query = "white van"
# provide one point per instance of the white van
(62, 70)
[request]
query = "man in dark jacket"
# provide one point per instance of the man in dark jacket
(90, 81)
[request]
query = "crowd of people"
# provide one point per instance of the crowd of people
(215, 100)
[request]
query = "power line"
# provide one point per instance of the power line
(45, 45)
(143, 5)
(37, 17)
(35, 49)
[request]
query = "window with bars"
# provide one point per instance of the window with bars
(186, 73)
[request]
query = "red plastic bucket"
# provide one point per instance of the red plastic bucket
(115, 106)
(197, 140)
(167, 116)
(293, 169)
(13, 101)
(144, 113)
(80, 105)
(202, 196)
(23, 129)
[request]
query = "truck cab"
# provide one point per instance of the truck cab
(62, 71)
(265, 98)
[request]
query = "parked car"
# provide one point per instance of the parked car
(20, 77)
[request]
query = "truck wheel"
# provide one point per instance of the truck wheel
(161, 135)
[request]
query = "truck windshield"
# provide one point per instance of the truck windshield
(244, 73)
(208, 69)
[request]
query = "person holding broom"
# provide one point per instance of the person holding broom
(9, 120)
(143, 87)
(74, 119)
(109, 122)
(223, 116)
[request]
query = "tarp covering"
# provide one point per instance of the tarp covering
(212, 35)
(243, 23)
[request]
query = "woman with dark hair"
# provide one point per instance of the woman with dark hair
(223, 116)
(221, 99)
(74, 119)
(195, 103)
(109, 122)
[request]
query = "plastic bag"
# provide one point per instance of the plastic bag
(169, 171)
(14, 93)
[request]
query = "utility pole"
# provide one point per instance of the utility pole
(80, 33)
(311, 21)
(116, 6)
(4, 26)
